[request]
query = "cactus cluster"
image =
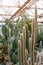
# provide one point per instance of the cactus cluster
(22, 47)
(32, 40)
(32, 43)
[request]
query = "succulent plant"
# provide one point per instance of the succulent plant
(14, 58)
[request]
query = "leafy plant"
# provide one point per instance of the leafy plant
(11, 35)
(39, 38)
(40, 35)
(14, 58)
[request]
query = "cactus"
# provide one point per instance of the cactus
(22, 47)
(32, 43)
(24, 32)
(33, 37)
(30, 49)
(24, 40)
(27, 36)
(36, 23)
(19, 52)
(24, 37)
(32, 40)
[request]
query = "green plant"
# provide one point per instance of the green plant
(14, 58)
(11, 35)
(40, 35)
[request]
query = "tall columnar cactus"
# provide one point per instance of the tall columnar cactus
(22, 47)
(30, 49)
(32, 43)
(19, 52)
(24, 32)
(24, 42)
(33, 36)
(36, 23)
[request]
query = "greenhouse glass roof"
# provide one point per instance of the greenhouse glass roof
(10, 8)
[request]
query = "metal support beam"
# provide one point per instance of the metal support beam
(23, 7)
(34, 8)
(2, 6)
(5, 15)
(29, 6)
(20, 8)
